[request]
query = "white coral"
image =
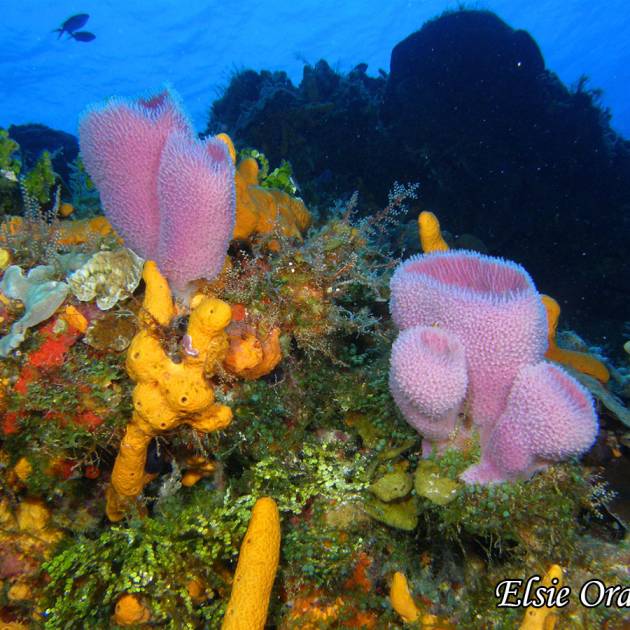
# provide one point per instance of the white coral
(107, 277)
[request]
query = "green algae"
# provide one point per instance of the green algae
(39, 181)
(281, 178)
(9, 162)
(315, 435)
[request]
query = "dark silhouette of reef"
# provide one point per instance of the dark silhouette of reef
(502, 150)
(327, 127)
(35, 138)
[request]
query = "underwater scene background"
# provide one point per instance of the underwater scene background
(314, 315)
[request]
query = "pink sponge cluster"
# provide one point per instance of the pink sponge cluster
(430, 404)
(170, 196)
(549, 416)
(486, 310)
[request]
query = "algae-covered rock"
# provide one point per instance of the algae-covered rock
(429, 484)
(399, 514)
(346, 516)
(107, 277)
(394, 485)
(41, 297)
(112, 332)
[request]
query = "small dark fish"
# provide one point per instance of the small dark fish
(83, 36)
(72, 24)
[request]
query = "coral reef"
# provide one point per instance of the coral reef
(469, 109)
(249, 442)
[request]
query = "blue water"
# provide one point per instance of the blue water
(197, 45)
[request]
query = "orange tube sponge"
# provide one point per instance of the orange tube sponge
(167, 394)
(430, 236)
(256, 569)
(259, 210)
(197, 468)
(544, 618)
(580, 361)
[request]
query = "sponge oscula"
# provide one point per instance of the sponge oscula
(167, 394)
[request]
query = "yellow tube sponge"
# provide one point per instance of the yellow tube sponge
(402, 602)
(544, 618)
(129, 465)
(207, 322)
(158, 301)
(401, 599)
(167, 394)
(259, 210)
(256, 569)
(580, 361)
(430, 235)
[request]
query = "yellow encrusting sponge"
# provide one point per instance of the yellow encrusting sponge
(544, 618)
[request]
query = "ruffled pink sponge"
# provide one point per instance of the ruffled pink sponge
(170, 196)
(428, 380)
(493, 309)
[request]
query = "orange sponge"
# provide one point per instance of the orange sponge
(580, 361)
(430, 236)
(259, 210)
